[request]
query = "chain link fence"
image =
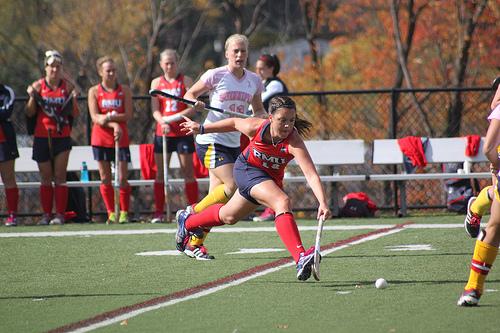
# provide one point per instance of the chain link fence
(366, 115)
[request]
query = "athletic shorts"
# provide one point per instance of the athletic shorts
(108, 154)
(247, 176)
(41, 152)
(8, 151)
(181, 144)
(214, 155)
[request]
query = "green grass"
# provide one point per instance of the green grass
(47, 282)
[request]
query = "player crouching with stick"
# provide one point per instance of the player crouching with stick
(258, 174)
(110, 107)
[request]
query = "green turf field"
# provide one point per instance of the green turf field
(49, 282)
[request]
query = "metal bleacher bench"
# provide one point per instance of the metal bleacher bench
(327, 152)
(438, 150)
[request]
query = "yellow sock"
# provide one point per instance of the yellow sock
(482, 260)
(482, 204)
(216, 196)
(196, 241)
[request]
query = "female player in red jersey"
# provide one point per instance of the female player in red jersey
(110, 107)
(8, 154)
(52, 134)
(168, 115)
(258, 173)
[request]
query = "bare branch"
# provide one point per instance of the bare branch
(255, 18)
(404, 67)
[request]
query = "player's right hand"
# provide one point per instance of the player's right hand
(117, 132)
(199, 106)
(30, 90)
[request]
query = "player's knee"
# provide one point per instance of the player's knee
(283, 204)
(227, 218)
(230, 188)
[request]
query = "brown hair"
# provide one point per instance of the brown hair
(303, 126)
(271, 60)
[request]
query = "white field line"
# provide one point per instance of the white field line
(88, 233)
(209, 291)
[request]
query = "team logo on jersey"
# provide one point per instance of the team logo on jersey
(111, 103)
(269, 161)
(235, 96)
(54, 100)
(174, 91)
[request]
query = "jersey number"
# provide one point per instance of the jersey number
(237, 108)
(273, 166)
(170, 105)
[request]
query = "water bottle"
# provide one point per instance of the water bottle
(84, 173)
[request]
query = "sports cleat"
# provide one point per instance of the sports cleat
(472, 222)
(267, 215)
(305, 263)
(158, 218)
(182, 235)
(45, 220)
(57, 220)
(190, 209)
(123, 217)
(111, 218)
(197, 252)
(11, 220)
(469, 298)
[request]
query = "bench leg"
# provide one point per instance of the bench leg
(334, 201)
(402, 199)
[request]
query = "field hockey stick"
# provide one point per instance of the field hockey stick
(117, 181)
(156, 92)
(495, 83)
(51, 111)
(165, 178)
(48, 126)
(317, 248)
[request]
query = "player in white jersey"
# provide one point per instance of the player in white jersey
(234, 88)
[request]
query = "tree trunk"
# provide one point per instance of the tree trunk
(468, 14)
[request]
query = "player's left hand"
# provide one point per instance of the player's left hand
(189, 126)
(324, 211)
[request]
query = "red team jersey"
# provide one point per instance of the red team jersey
(108, 101)
(169, 106)
(271, 158)
(54, 98)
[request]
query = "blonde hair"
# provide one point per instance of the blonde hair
(236, 38)
(169, 52)
(102, 60)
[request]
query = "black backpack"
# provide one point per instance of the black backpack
(458, 191)
(356, 208)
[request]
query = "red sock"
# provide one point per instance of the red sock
(61, 194)
(125, 198)
(12, 195)
(205, 219)
(289, 234)
(108, 196)
(46, 198)
(191, 192)
(159, 194)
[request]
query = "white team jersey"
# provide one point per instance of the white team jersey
(227, 92)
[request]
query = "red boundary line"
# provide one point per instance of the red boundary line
(186, 292)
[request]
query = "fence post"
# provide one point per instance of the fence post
(392, 135)
(89, 189)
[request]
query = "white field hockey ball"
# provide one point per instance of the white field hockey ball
(381, 283)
